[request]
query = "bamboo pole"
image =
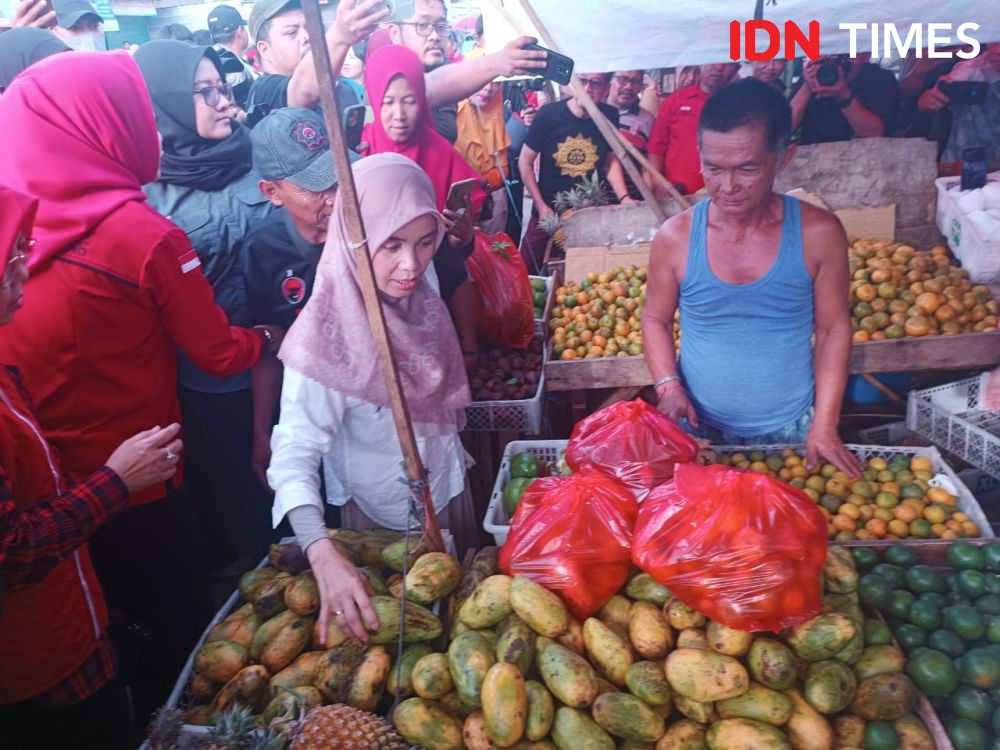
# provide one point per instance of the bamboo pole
(369, 291)
(609, 131)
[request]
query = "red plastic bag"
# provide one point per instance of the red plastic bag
(632, 442)
(739, 547)
(573, 536)
(506, 300)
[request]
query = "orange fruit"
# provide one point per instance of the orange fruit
(917, 326)
(568, 354)
(866, 293)
(928, 302)
(861, 336)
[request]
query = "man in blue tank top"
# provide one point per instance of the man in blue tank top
(756, 275)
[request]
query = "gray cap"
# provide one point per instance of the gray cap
(69, 12)
(265, 10)
(291, 144)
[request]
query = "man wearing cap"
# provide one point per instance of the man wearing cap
(79, 25)
(231, 40)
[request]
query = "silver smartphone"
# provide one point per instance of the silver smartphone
(399, 10)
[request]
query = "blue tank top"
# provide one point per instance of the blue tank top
(746, 354)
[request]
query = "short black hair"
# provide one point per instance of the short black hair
(177, 31)
(202, 38)
(749, 102)
(479, 26)
(225, 37)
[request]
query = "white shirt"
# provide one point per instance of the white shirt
(360, 451)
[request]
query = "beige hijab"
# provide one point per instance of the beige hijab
(331, 341)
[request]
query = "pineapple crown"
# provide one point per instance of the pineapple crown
(235, 729)
(164, 729)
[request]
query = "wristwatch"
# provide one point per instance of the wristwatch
(272, 345)
(845, 103)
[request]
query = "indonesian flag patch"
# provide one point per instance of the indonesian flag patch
(189, 261)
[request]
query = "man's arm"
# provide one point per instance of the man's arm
(450, 84)
(266, 378)
(799, 103)
(526, 166)
(616, 177)
(659, 142)
(355, 22)
(864, 122)
(825, 244)
(667, 259)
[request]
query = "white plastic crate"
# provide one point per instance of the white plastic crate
(952, 416)
(979, 255)
(944, 475)
(542, 324)
(893, 433)
(523, 415)
(497, 522)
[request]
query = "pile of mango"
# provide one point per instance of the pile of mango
(649, 673)
(893, 499)
(266, 656)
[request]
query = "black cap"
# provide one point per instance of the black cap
(69, 12)
(223, 20)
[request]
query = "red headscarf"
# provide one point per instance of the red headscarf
(438, 158)
(16, 218)
(80, 137)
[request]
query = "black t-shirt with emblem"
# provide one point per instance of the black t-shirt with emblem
(571, 147)
(280, 268)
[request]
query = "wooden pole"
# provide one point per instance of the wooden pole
(359, 243)
(657, 175)
(609, 131)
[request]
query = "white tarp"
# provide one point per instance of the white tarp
(605, 35)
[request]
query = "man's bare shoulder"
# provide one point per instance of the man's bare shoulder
(675, 231)
(822, 230)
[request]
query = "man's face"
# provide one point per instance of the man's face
(86, 35)
(769, 71)
(286, 42)
(242, 39)
(430, 14)
(310, 212)
(485, 95)
(626, 86)
(717, 75)
(596, 84)
(738, 168)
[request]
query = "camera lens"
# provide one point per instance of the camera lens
(826, 75)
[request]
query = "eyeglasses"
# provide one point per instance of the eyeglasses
(593, 83)
(212, 94)
(22, 249)
(623, 80)
(424, 28)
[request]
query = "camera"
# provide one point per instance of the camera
(828, 72)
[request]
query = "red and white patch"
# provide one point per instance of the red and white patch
(293, 289)
(189, 261)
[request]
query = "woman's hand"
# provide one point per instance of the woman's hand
(344, 593)
(148, 458)
(461, 227)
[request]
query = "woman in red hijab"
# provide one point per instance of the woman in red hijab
(404, 124)
(114, 290)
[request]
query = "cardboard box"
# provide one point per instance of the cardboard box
(583, 260)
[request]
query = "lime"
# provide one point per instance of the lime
(899, 604)
(991, 552)
(934, 598)
(971, 703)
(947, 643)
(873, 590)
(909, 636)
(892, 573)
(880, 735)
(865, 558)
(921, 528)
(967, 735)
(877, 633)
(538, 284)
(513, 491)
(922, 578)
(965, 556)
(988, 604)
(524, 465)
(993, 629)
(924, 615)
(980, 668)
(831, 502)
(900, 554)
(932, 672)
(971, 583)
(964, 621)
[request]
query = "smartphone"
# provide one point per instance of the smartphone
(459, 193)
(973, 168)
(558, 68)
(965, 92)
(353, 120)
(399, 10)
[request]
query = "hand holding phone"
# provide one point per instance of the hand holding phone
(964, 92)
(459, 194)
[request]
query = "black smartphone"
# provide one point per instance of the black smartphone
(558, 68)
(973, 168)
(965, 92)
(353, 122)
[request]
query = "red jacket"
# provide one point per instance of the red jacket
(97, 338)
(47, 629)
(675, 135)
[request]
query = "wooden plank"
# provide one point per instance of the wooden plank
(964, 351)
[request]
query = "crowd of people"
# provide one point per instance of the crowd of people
(187, 359)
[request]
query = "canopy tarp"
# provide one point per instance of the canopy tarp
(606, 35)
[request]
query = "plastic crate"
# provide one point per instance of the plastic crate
(496, 521)
(944, 475)
(541, 324)
(979, 255)
(893, 433)
(952, 416)
(524, 415)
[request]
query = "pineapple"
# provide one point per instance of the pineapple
(340, 726)
(165, 729)
(552, 226)
(591, 192)
(236, 729)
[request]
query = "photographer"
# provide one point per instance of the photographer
(973, 124)
(843, 98)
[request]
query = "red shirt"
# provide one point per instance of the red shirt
(675, 136)
(97, 338)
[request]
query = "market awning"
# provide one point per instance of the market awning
(605, 35)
